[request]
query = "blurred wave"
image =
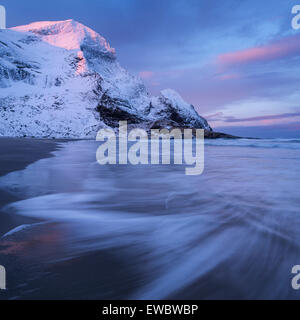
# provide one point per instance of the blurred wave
(232, 232)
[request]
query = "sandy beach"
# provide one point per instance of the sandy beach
(17, 154)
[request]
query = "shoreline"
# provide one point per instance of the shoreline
(11, 161)
(210, 135)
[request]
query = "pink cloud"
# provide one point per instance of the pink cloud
(287, 47)
(146, 74)
(229, 76)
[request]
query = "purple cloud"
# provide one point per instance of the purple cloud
(220, 117)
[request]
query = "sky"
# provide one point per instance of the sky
(236, 61)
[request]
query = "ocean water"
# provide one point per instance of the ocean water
(152, 232)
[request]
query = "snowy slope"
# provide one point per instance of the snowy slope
(62, 79)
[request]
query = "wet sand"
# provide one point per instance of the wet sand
(17, 154)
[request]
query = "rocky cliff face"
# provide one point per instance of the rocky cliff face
(61, 79)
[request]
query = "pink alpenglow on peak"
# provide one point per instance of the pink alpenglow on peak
(82, 64)
(68, 34)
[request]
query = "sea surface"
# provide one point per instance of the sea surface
(153, 232)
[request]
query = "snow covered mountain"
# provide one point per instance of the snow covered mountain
(62, 79)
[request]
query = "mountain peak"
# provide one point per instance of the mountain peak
(67, 34)
(62, 79)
